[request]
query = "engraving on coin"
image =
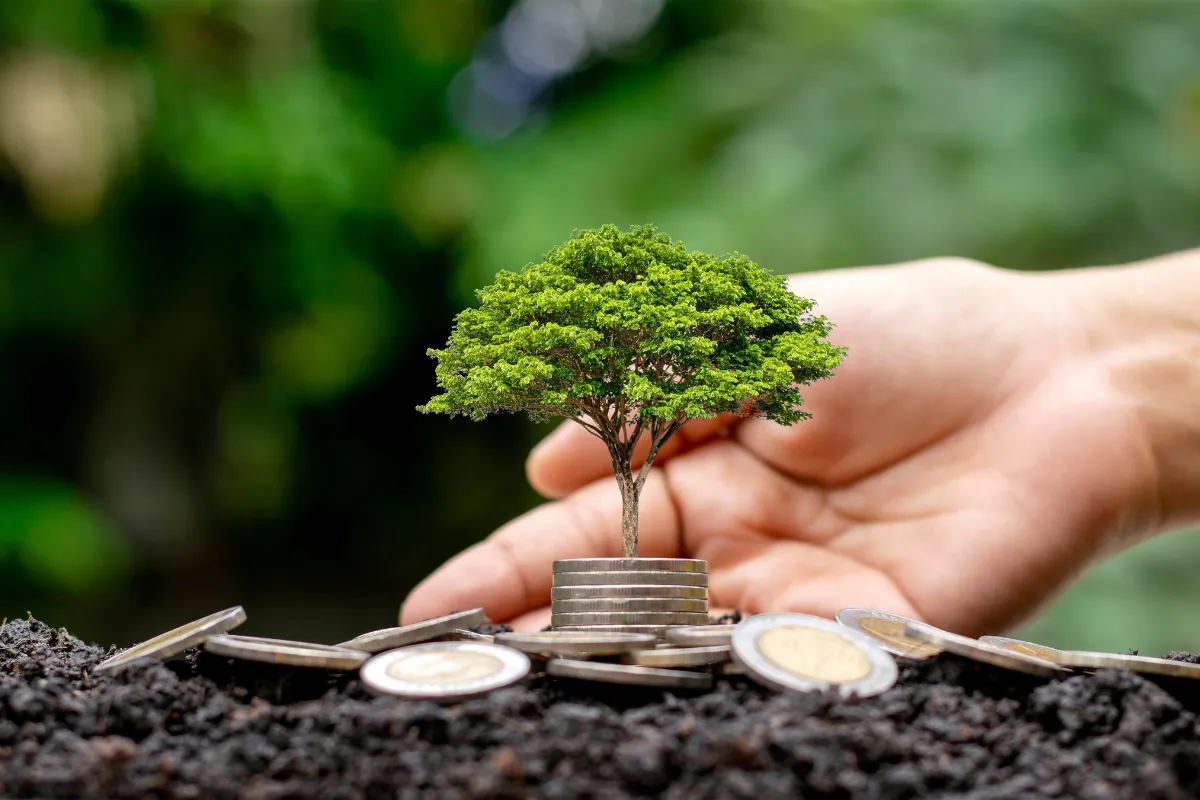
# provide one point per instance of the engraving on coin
(976, 650)
(700, 635)
(630, 618)
(799, 652)
(625, 674)
(629, 604)
(1146, 664)
(598, 643)
(1025, 648)
(175, 641)
(888, 629)
(423, 631)
(285, 652)
(631, 565)
(643, 591)
(630, 578)
(444, 671)
(679, 656)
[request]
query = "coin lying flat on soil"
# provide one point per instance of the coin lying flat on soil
(625, 674)
(629, 604)
(1144, 664)
(888, 630)
(1024, 648)
(173, 642)
(574, 643)
(423, 631)
(799, 652)
(630, 565)
(630, 618)
(627, 578)
(282, 651)
(679, 656)
(700, 635)
(635, 591)
(976, 650)
(445, 672)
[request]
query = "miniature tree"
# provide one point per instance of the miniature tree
(630, 335)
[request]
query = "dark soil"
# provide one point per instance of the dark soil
(208, 727)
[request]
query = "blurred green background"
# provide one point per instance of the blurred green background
(229, 231)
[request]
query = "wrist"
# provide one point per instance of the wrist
(1140, 327)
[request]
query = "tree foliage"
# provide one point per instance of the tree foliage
(630, 334)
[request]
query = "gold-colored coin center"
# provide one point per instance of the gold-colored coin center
(892, 632)
(814, 653)
(448, 667)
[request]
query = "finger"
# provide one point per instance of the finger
(571, 457)
(509, 573)
(531, 621)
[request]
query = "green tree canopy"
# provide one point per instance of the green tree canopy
(629, 334)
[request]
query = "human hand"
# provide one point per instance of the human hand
(968, 458)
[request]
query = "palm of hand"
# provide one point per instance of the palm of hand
(961, 464)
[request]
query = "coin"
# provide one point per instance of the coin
(423, 631)
(629, 618)
(282, 651)
(629, 604)
(573, 643)
(630, 565)
(1145, 664)
(729, 668)
(466, 636)
(700, 635)
(888, 629)
(173, 642)
(444, 671)
(1024, 648)
(803, 653)
(626, 674)
(679, 656)
(981, 652)
(628, 578)
(656, 630)
(651, 591)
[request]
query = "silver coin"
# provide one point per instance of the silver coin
(626, 674)
(655, 630)
(1025, 648)
(700, 635)
(888, 630)
(642, 591)
(465, 636)
(575, 643)
(630, 565)
(630, 578)
(629, 604)
(729, 668)
(630, 618)
(679, 656)
(423, 631)
(976, 650)
(445, 672)
(802, 653)
(282, 651)
(173, 642)
(1145, 664)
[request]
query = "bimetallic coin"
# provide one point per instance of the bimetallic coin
(643, 591)
(1024, 648)
(173, 642)
(628, 578)
(629, 604)
(888, 630)
(978, 651)
(679, 656)
(625, 674)
(445, 672)
(1144, 664)
(630, 565)
(630, 618)
(700, 635)
(802, 653)
(423, 631)
(282, 651)
(575, 643)
(656, 630)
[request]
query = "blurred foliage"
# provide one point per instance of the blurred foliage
(229, 230)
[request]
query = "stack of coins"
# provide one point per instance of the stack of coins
(628, 595)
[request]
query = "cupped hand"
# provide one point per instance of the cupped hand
(967, 459)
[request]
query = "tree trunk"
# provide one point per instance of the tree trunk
(629, 515)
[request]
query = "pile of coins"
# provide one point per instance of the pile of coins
(628, 595)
